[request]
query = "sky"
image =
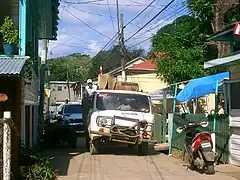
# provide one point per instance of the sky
(86, 26)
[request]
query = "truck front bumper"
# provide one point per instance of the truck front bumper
(105, 133)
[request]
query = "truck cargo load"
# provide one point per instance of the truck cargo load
(106, 81)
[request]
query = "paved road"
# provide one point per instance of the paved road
(121, 164)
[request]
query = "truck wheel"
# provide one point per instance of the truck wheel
(73, 142)
(210, 169)
(94, 147)
(87, 142)
(143, 149)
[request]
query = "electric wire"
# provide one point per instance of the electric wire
(87, 24)
(150, 20)
(109, 9)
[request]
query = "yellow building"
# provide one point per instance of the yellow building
(143, 72)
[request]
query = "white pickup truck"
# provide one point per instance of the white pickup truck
(120, 116)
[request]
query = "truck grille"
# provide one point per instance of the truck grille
(75, 120)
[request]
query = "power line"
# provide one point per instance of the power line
(169, 18)
(171, 35)
(148, 12)
(128, 22)
(151, 20)
(140, 12)
(87, 24)
(110, 41)
(96, 14)
(83, 2)
(109, 9)
(112, 4)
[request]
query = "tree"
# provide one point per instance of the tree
(111, 59)
(182, 45)
(77, 66)
(215, 12)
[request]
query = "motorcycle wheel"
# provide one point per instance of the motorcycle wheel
(210, 169)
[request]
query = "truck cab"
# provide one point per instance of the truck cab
(120, 116)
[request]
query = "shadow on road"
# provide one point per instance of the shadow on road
(62, 155)
(118, 149)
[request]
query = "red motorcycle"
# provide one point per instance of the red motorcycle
(199, 147)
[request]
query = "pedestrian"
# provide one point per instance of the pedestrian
(90, 88)
(66, 101)
(88, 91)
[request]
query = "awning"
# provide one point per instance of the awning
(12, 65)
(201, 86)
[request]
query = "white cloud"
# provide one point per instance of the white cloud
(94, 48)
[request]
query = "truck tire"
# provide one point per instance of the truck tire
(87, 143)
(73, 142)
(143, 149)
(210, 169)
(94, 147)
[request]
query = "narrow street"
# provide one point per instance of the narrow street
(119, 163)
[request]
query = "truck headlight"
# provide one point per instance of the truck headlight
(104, 121)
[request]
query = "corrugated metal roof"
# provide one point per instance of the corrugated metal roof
(12, 65)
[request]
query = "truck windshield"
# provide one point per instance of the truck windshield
(73, 108)
(123, 102)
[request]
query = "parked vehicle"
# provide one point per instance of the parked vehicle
(120, 116)
(199, 147)
(68, 124)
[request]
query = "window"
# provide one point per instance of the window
(123, 102)
(59, 88)
(73, 108)
(235, 95)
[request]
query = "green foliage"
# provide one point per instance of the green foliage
(9, 31)
(41, 170)
(232, 16)
(28, 68)
(111, 59)
(182, 43)
(76, 65)
(203, 9)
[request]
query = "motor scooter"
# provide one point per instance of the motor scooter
(199, 147)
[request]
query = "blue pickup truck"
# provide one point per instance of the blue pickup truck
(68, 125)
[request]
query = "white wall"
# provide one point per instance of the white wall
(62, 95)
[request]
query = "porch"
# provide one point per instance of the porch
(231, 62)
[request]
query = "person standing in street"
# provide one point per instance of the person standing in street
(87, 95)
(90, 88)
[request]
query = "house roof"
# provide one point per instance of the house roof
(12, 65)
(224, 61)
(117, 70)
(146, 65)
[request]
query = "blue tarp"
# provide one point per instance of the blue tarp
(201, 86)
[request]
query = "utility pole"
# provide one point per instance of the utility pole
(69, 95)
(42, 79)
(121, 42)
